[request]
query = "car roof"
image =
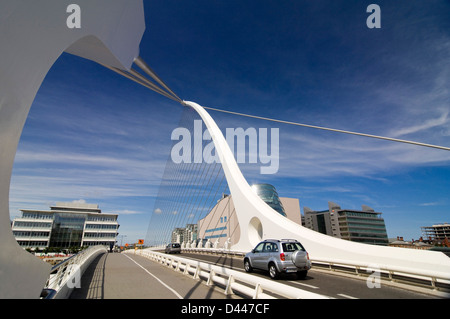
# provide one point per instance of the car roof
(281, 240)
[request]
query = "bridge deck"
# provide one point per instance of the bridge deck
(120, 276)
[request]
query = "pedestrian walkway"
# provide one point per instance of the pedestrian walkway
(127, 276)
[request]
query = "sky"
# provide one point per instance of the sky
(93, 136)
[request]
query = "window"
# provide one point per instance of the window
(270, 247)
(259, 248)
(289, 247)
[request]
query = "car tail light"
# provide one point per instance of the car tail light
(307, 256)
(282, 257)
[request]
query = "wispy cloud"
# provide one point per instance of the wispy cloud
(429, 204)
(427, 124)
(128, 212)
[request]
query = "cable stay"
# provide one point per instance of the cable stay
(164, 90)
(137, 77)
(331, 129)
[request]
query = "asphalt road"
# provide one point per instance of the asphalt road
(129, 276)
(321, 282)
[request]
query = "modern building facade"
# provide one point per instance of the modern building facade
(364, 226)
(65, 225)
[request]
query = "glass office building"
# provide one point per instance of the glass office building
(65, 225)
(269, 194)
(362, 226)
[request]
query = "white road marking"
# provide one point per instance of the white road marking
(305, 285)
(347, 296)
(165, 285)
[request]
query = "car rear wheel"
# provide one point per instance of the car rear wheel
(273, 271)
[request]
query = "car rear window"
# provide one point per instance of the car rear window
(288, 247)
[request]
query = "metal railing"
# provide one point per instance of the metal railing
(66, 276)
(395, 275)
(401, 275)
(232, 281)
(215, 251)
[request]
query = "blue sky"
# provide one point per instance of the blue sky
(94, 136)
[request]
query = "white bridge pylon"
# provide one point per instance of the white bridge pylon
(33, 34)
(258, 221)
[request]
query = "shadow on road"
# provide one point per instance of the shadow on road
(93, 280)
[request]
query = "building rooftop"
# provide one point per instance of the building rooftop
(63, 207)
(76, 205)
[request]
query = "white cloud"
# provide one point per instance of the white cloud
(425, 125)
(128, 212)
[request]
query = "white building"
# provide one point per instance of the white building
(65, 225)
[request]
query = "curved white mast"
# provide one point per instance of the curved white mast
(257, 221)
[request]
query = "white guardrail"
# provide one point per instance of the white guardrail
(432, 280)
(66, 276)
(233, 281)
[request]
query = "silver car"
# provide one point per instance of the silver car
(278, 256)
(173, 248)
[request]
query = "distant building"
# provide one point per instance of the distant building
(435, 233)
(186, 234)
(178, 235)
(65, 225)
(364, 226)
(419, 244)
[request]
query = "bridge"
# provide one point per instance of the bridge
(219, 274)
(341, 269)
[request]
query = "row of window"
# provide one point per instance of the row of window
(32, 224)
(31, 233)
(27, 243)
(215, 229)
(32, 215)
(95, 243)
(101, 226)
(363, 225)
(101, 235)
(358, 214)
(361, 235)
(92, 218)
(362, 230)
(216, 236)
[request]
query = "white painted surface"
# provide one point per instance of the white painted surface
(33, 34)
